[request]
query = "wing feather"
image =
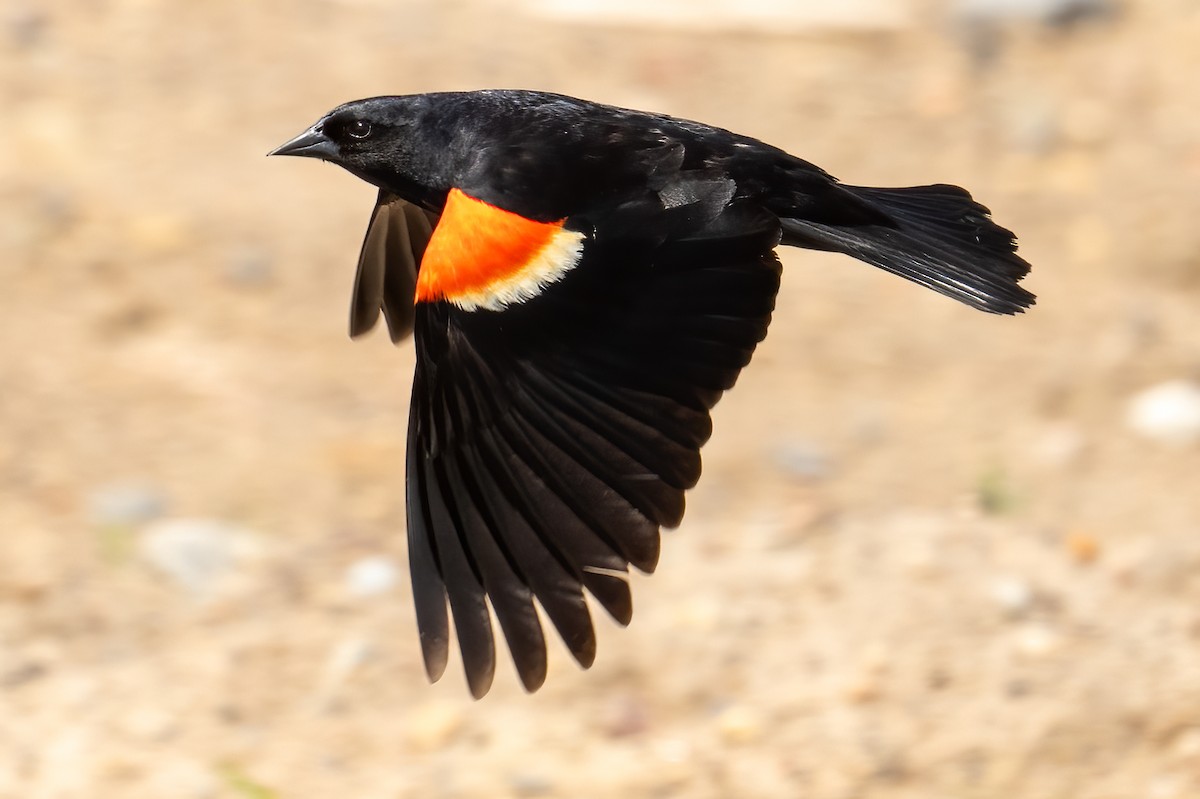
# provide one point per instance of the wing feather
(551, 441)
(386, 277)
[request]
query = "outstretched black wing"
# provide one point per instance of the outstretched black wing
(549, 441)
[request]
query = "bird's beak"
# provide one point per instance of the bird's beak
(312, 143)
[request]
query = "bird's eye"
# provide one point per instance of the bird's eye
(359, 129)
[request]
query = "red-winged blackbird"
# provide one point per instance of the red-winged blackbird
(584, 282)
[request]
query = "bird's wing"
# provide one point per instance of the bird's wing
(551, 436)
(387, 266)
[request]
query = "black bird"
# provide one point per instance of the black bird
(584, 282)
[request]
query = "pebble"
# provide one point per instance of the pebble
(1013, 596)
(921, 560)
(802, 459)
(981, 21)
(674, 751)
(179, 776)
(343, 660)
(1168, 412)
(433, 725)
(196, 554)
(1082, 547)
(768, 16)
(250, 266)
(1034, 125)
(699, 615)
(863, 689)
(372, 576)
(529, 784)
(1052, 12)
(1036, 642)
(125, 504)
(625, 715)
(147, 723)
(1167, 786)
(27, 26)
(1059, 446)
(158, 234)
(1186, 745)
(740, 724)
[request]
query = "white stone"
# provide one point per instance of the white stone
(372, 576)
(1045, 10)
(1012, 595)
(124, 504)
(1168, 412)
(769, 16)
(196, 554)
(1036, 642)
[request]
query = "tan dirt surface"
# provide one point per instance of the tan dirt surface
(929, 557)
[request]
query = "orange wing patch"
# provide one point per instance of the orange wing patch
(481, 256)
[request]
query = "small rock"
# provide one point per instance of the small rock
(1034, 125)
(147, 723)
(249, 266)
(1082, 547)
(624, 716)
(876, 660)
(981, 21)
(1168, 412)
(196, 554)
(525, 784)
(673, 750)
(372, 576)
(863, 689)
(1059, 445)
(1013, 596)
(702, 615)
(1036, 641)
(27, 27)
(125, 504)
(57, 207)
(802, 459)
(178, 775)
(158, 234)
(433, 725)
(921, 560)
(1186, 745)
(1051, 12)
(14, 676)
(343, 660)
(740, 724)
(773, 16)
(1167, 786)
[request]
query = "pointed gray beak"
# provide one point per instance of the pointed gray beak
(312, 143)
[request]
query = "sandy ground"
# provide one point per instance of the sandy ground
(928, 558)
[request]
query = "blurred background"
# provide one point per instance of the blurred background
(934, 554)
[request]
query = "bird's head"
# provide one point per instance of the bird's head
(394, 143)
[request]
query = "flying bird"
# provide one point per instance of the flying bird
(583, 282)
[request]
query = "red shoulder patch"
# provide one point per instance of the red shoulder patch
(481, 256)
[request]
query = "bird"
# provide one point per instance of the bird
(583, 282)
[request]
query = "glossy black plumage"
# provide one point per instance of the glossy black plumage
(550, 440)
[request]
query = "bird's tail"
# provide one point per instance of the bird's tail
(936, 236)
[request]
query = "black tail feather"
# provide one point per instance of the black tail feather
(940, 239)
